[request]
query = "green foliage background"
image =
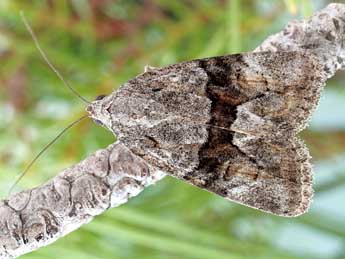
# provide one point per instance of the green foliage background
(98, 45)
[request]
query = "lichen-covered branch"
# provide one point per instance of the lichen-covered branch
(37, 217)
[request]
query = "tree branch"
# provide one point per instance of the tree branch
(37, 217)
(322, 34)
(108, 178)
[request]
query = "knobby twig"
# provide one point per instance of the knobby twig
(109, 177)
(37, 217)
(323, 34)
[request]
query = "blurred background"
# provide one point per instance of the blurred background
(98, 45)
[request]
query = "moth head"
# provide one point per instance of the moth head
(98, 111)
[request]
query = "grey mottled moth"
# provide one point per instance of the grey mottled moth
(226, 124)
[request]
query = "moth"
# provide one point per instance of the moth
(226, 124)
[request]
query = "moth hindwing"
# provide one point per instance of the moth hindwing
(226, 124)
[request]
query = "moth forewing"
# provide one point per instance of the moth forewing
(226, 124)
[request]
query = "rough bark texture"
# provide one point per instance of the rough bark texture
(37, 217)
(323, 34)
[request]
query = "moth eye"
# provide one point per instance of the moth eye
(98, 122)
(100, 97)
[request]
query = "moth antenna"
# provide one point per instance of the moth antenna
(43, 150)
(45, 57)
